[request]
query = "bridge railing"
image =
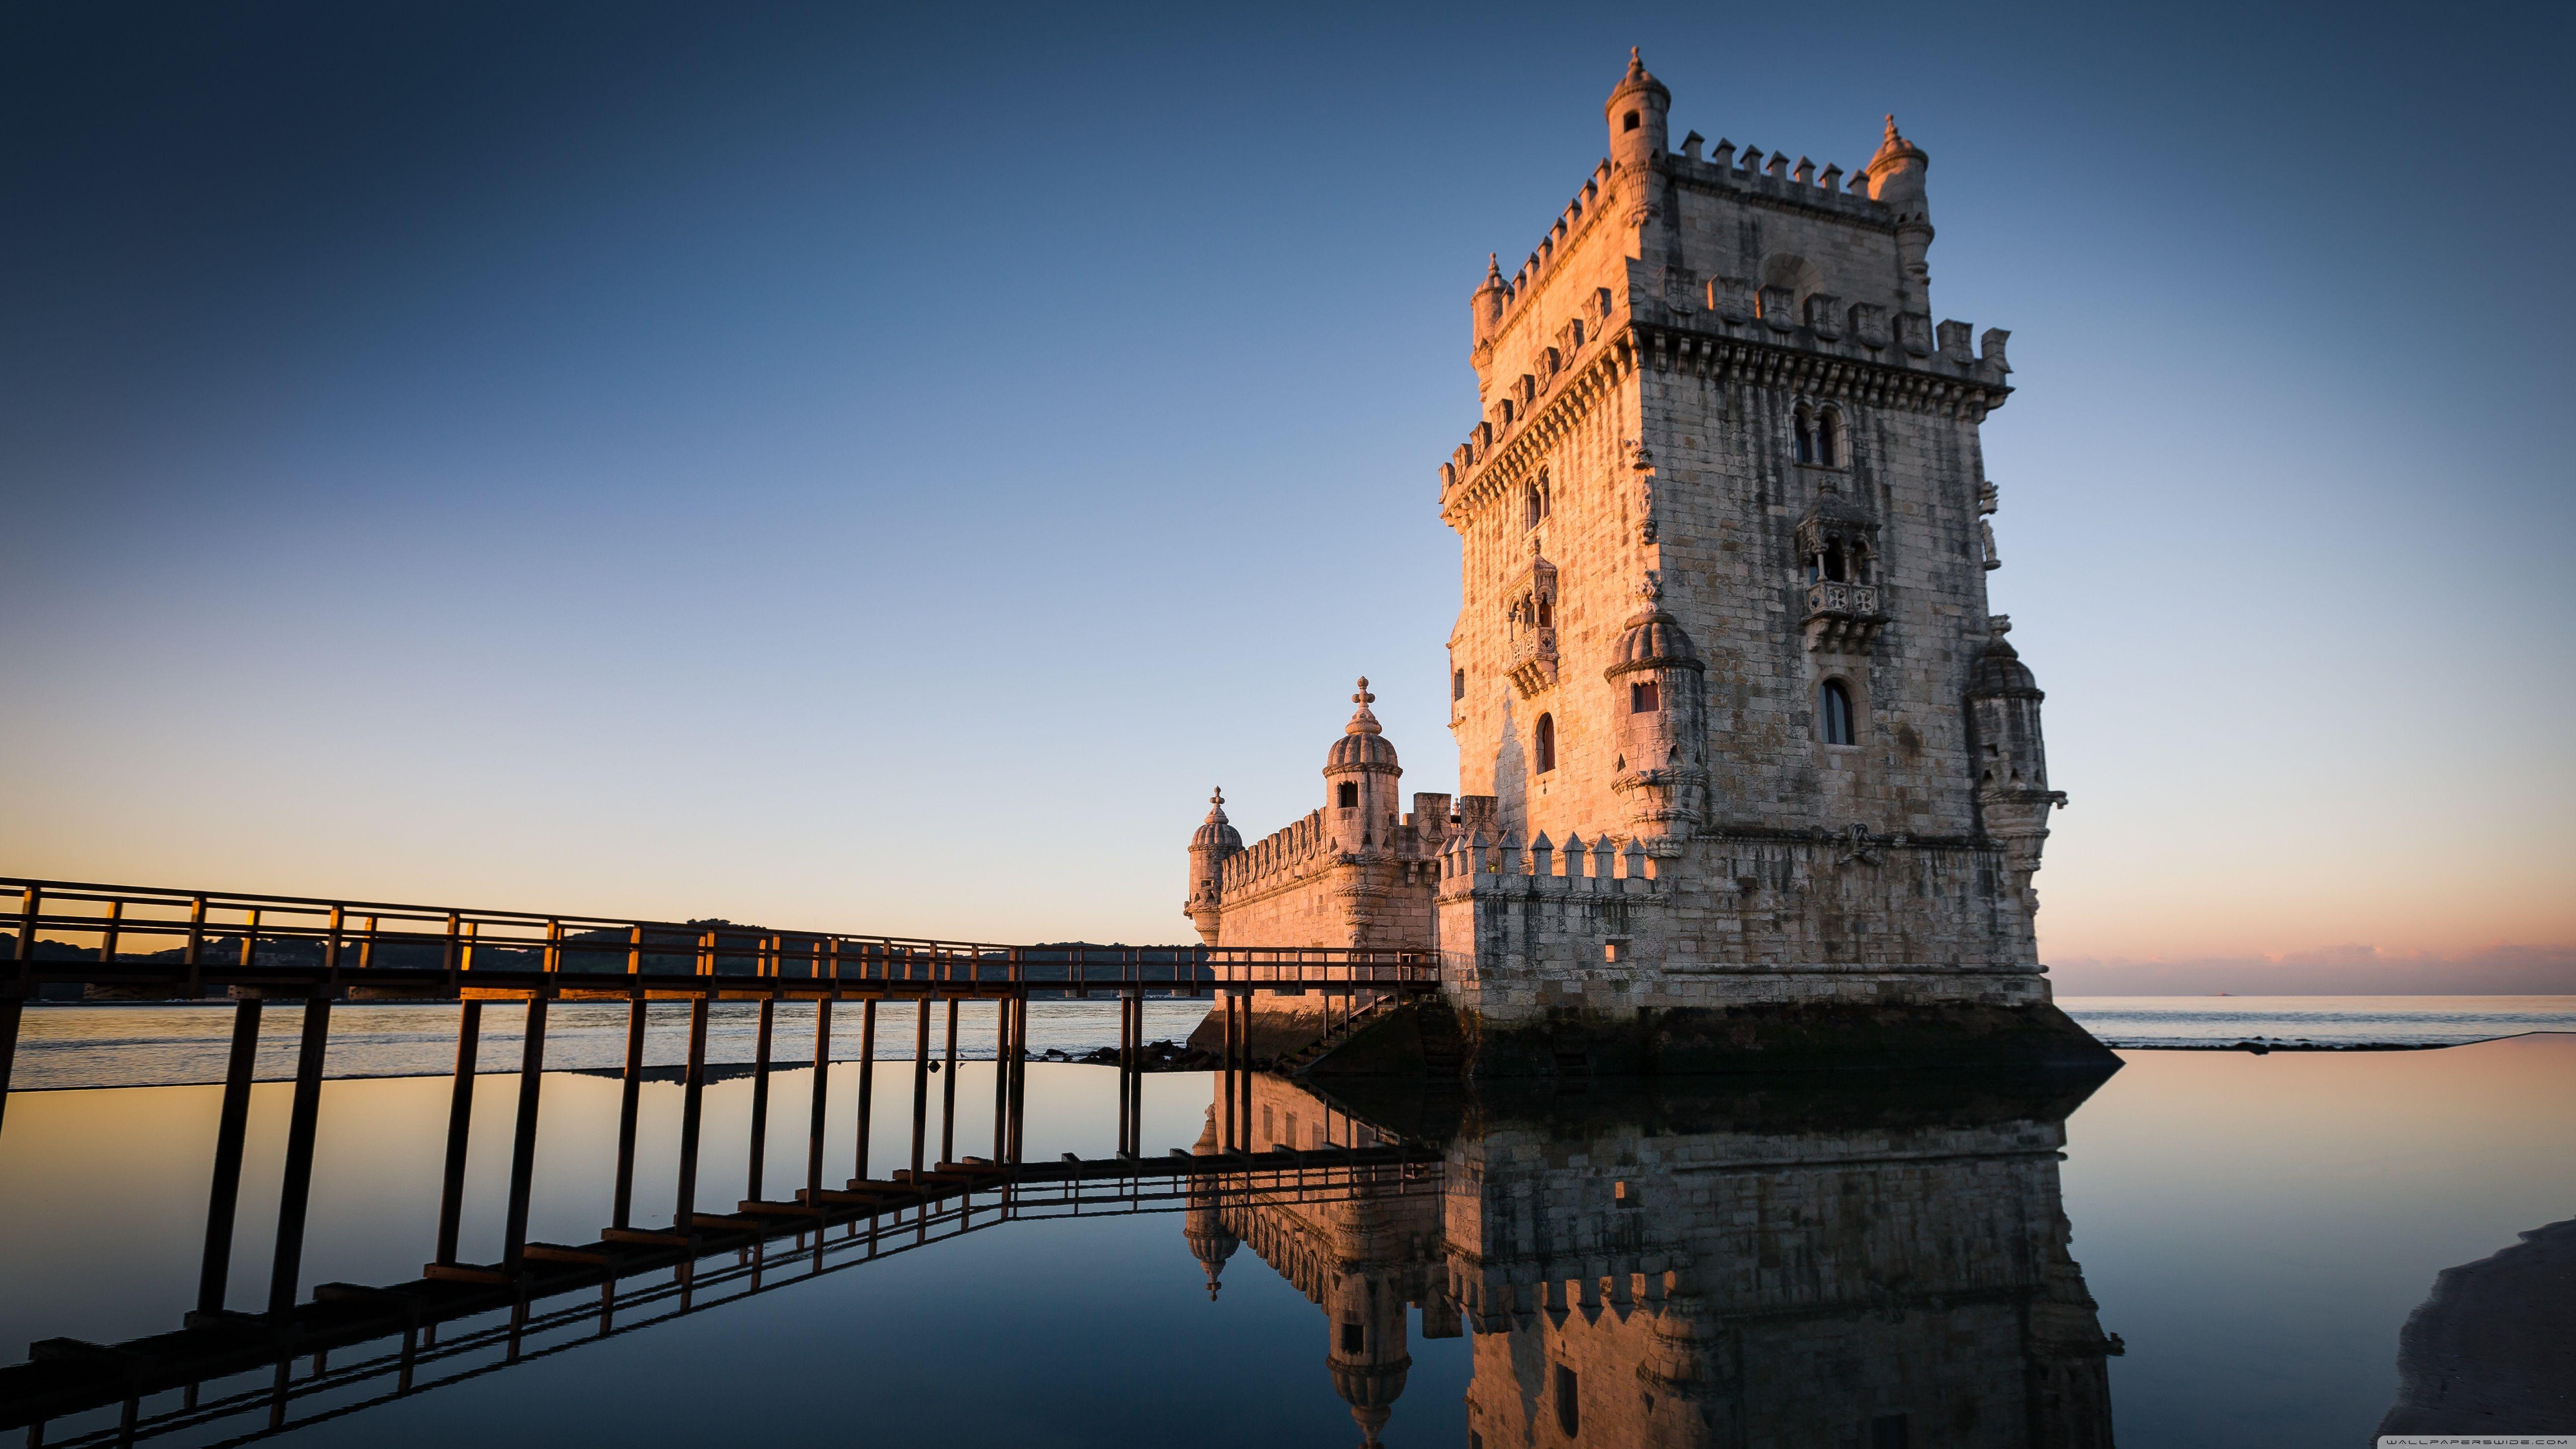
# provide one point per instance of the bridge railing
(150, 937)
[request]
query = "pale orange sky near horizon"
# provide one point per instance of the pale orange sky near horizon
(569, 463)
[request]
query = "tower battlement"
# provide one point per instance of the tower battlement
(1724, 536)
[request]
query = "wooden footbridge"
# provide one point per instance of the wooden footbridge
(146, 943)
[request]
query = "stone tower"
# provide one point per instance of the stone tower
(1746, 770)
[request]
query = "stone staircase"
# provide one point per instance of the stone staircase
(1443, 1049)
(1315, 1051)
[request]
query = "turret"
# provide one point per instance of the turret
(1636, 111)
(2013, 798)
(1655, 680)
(1360, 775)
(1488, 303)
(1367, 1359)
(1896, 181)
(1210, 845)
(1203, 1222)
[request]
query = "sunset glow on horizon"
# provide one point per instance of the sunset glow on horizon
(875, 473)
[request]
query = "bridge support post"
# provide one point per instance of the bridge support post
(693, 1100)
(1126, 1057)
(523, 1139)
(302, 1118)
(1225, 1075)
(867, 1081)
(1019, 1076)
(948, 1092)
(920, 1078)
(230, 1128)
(629, 1100)
(460, 1118)
(821, 1099)
(760, 1097)
(13, 1010)
(1003, 1052)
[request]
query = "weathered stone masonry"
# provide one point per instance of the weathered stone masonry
(1745, 764)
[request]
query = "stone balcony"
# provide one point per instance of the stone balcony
(1844, 615)
(1533, 665)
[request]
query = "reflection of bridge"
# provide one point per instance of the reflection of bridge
(132, 942)
(826, 1231)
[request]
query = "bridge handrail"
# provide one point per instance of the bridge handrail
(346, 934)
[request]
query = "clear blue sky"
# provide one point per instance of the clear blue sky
(876, 469)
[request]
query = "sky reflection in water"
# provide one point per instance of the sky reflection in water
(2255, 1228)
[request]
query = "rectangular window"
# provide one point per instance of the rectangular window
(1347, 794)
(1888, 1431)
(1645, 697)
(1352, 1341)
(1458, 684)
(1266, 1134)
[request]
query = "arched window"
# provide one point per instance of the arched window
(1546, 747)
(1805, 423)
(1458, 684)
(1829, 438)
(1834, 712)
(1534, 504)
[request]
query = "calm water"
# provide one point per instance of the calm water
(1733, 1262)
(2182, 1021)
(167, 1045)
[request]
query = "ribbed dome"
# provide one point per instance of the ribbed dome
(1999, 672)
(1215, 833)
(1369, 1385)
(1639, 78)
(1894, 148)
(1653, 640)
(1363, 745)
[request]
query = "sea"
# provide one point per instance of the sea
(2213, 1247)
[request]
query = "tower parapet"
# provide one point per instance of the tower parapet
(1717, 383)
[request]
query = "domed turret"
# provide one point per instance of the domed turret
(1896, 176)
(1367, 1360)
(1636, 111)
(1655, 680)
(1360, 771)
(2013, 798)
(1210, 845)
(1490, 299)
(1999, 672)
(1203, 1225)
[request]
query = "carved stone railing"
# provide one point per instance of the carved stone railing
(1843, 615)
(1533, 666)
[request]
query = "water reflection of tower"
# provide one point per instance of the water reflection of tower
(1363, 1253)
(1723, 1263)
(1210, 1240)
(1875, 1268)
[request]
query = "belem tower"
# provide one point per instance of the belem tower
(1749, 774)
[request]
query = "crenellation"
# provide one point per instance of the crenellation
(1722, 601)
